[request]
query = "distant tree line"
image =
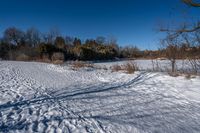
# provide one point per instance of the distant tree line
(16, 44)
(31, 44)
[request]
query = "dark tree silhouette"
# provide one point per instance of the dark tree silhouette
(60, 42)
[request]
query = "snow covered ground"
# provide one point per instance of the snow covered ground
(39, 97)
(161, 65)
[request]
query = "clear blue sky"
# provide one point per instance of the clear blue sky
(132, 22)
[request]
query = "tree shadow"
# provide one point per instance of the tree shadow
(86, 93)
(141, 78)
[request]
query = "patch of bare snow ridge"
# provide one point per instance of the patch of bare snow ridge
(40, 97)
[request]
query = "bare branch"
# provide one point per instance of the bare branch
(183, 30)
(191, 3)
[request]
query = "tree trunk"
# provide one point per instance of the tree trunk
(173, 65)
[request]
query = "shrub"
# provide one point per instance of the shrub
(131, 68)
(57, 62)
(173, 74)
(22, 57)
(87, 54)
(45, 60)
(58, 56)
(116, 68)
(80, 64)
(128, 68)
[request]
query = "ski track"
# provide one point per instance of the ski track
(39, 97)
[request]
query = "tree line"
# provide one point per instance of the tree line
(32, 44)
(16, 44)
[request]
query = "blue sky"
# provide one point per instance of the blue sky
(131, 22)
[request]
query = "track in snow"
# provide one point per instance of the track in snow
(37, 97)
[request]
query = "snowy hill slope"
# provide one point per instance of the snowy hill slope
(39, 97)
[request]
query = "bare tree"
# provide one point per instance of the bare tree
(195, 65)
(33, 37)
(69, 40)
(193, 52)
(101, 40)
(51, 35)
(13, 36)
(112, 42)
(130, 51)
(172, 46)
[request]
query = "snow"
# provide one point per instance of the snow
(40, 97)
(161, 65)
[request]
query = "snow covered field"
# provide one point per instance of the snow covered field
(162, 65)
(39, 97)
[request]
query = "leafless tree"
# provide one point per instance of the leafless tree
(51, 35)
(112, 41)
(172, 42)
(172, 46)
(33, 37)
(69, 40)
(101, 40)
(195, 65)
(13, 36)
